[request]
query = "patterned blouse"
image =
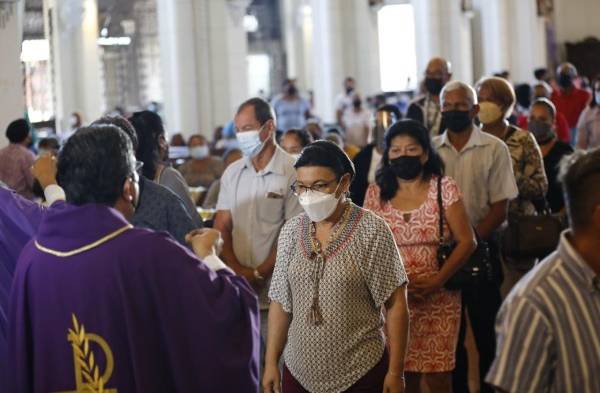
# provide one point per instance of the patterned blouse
(362, 269)
(528, 168)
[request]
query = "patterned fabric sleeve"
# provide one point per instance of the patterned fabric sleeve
(531, 176)
(372, 200)
(381, 265)
(280, 290)
(450, 192)
(520, 325)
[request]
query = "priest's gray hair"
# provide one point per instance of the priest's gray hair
(458, 85)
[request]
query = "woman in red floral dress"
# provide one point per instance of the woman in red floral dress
(405, 196)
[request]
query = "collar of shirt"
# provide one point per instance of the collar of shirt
(476, 139)
(276, 165)
(581, 269)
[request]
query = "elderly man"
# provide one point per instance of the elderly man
(426, 109)
(548, 339)
(481, 165)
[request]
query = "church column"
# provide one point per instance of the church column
(72, 27)
(327, 56)
(203, 61)
(11, 78)
(443, 29)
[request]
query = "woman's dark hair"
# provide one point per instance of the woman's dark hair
(303, 136)
(149, 128)
(326, 154)
(593, 101)
(94, 164)
(385, 177)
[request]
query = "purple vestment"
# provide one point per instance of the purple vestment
(19, 220)
(131, 312)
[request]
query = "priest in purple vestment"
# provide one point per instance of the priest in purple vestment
(99, 306)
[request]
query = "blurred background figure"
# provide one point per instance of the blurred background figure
(294, 140)
(343, 101)
(291, 109)
(356, 122)
(588, 127)
(202, 169)
(16, 159)
(212, 195)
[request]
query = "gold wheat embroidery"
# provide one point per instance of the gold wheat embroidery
(93, 382)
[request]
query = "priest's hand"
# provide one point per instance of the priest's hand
(44, 170)
(205, 242)
(271, 381)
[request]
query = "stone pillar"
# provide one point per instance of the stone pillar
(203, 61)
(443, 29)
(11, 78)
(72, 27)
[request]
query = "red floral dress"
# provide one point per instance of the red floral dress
(434, 323)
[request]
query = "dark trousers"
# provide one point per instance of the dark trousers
(482, 304)
(371, 382)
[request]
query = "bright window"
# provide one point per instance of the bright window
(397, 47)
(259, 71)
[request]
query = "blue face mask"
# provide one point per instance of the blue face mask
(250, 143)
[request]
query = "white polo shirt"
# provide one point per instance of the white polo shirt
(482, 170)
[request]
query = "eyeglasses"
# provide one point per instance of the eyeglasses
(299, 189)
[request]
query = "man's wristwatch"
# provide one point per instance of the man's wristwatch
(258, 276)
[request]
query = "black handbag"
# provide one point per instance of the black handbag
(477, 270)
(532, 236)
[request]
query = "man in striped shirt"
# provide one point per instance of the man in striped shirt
(548, 328)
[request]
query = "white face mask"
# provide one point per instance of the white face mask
(73, 121)
(489, 112)
(199, 152)
(250, 143)
(318, 205)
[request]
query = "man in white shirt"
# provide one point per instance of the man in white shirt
(256, 199)
(481, 165)
(356, 121)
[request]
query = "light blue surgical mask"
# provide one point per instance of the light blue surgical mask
(250, 143)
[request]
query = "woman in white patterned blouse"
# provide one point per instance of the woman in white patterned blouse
(337, 270)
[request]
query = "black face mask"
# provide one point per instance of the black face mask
(357, 103)
(434, 86)
(292, 90)
(565, 81)
(543, 132)
(457, 121)
(349, 90)
(407, 167)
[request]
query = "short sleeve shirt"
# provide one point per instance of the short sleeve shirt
(290, 113)
(259, 203)
(482, 169)
(362, 269)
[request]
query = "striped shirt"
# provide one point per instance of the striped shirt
(548, 328)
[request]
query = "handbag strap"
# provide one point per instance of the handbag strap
(440, 209)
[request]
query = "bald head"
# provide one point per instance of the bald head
(438, 66)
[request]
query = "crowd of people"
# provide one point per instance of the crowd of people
(349, 258)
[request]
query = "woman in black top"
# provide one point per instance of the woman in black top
(542, 124)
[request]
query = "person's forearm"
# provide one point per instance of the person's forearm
(492, 221)
(266, 268)
(279, 323)
(227, 253)
(397, 325)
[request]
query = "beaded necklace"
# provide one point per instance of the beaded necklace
(315, 316)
